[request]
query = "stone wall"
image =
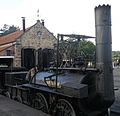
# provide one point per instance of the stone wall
(35, 37)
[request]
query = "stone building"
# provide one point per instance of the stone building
(25, 45)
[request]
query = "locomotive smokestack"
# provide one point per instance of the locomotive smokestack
(105, 84)
(23, 22)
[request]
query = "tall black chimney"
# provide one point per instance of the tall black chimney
(104, 52)
(23, 22)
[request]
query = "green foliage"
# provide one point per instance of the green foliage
(115, 55)
(72, 49)
(87, 47)
(8, 29)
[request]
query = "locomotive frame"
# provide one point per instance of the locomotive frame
(53, 99)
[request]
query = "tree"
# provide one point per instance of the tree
(7, 29)
(72, 49)
(115, 55)
(87, 47)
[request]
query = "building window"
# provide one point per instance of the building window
(39, 33)
(9, 52)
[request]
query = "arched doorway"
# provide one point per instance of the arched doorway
(45, 57)
(48, 57)
(28, 57)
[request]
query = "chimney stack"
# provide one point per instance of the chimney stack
(23, 22)
(43, 23)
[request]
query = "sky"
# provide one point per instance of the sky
(60, 16)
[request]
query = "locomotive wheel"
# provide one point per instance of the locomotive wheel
(7, 94)
(18, 98)
(40, 103)
(63, 108)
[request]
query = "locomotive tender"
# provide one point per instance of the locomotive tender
(75, 90)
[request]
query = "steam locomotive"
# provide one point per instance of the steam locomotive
(69, 87)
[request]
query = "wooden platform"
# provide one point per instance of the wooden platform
(10, 107)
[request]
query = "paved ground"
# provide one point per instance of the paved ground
(9, 107)
(115, 108)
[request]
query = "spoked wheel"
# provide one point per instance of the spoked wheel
(63, 108)
(7, 94)
(40, 103)
(18, 98)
